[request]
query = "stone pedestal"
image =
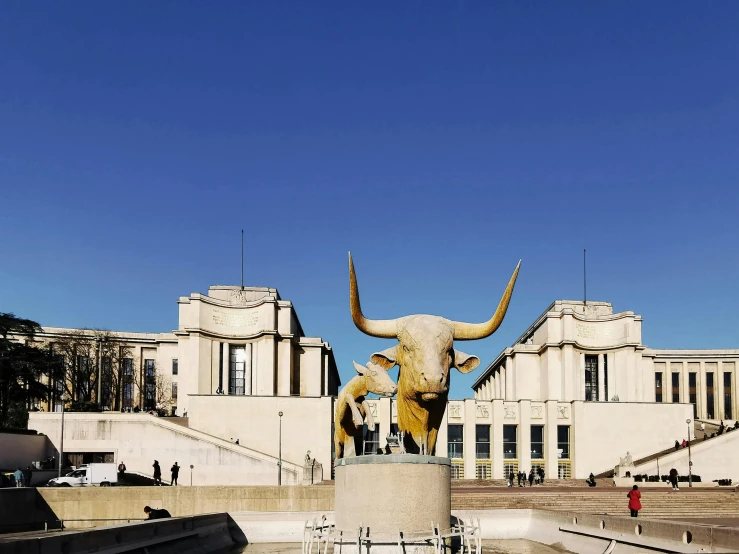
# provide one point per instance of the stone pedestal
(391, 493)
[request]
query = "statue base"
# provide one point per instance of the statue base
(388, 495)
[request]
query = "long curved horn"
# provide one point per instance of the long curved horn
(382, 328)
(472, 331)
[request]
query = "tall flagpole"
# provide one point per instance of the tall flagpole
(242, 259)
(584, 279)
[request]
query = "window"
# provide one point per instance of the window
(710, 413)
(175, 366)
(482, 446)
(455, 441)
(605, 377)
(591, 378)
(658, 386)
(174, 391)
(372, 440)
(563, 442)
(127, 383)
(106, 388)
(237, 355)
(510, 442)
(675, 388)
(150, 385)
(728, 412)
(537, 442)
(692, 377)
(84, 379)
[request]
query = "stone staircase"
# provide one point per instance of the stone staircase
(548, 483)
(656, 504)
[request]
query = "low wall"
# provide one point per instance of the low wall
(19, 450)
(121, 503)
(192, 535)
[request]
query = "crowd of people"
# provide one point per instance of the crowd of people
(535, 476)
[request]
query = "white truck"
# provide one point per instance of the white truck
(90, 475)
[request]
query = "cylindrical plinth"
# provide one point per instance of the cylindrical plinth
(387, 494)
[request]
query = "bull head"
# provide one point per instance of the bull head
(424, 353)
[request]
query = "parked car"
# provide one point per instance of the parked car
(91, 475)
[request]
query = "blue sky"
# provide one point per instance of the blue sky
(438, 141)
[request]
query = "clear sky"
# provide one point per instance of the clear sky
(438, 141)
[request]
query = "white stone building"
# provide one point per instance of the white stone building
(571, 396)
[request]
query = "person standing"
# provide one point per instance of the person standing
(27, 476)
(531, 478)
(175, 473)
(18, 476)
(541, 475)
(121, 470)
(157, 473)
(673, 479)
(510, 479)
(634, 497)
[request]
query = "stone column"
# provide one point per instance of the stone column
(550, 440)
(581, 378)
(503, 384)
(497, 387)
(470, 438)
(248, 369)
(700, 391)
(611, 375)
(226, 369)
(496, 439)
(524, 435)
(383, 419)
(601, 380)
(510, 379)
(719, 390)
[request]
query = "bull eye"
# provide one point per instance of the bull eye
(374, 374)
(405, 349)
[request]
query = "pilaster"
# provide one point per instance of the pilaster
(470, 438)
(601, 380)
(524, 435)
(496, 439)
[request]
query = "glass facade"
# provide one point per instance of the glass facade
(482, 442)
(728, 411)
(692, 378)
(537, 442)
(372, 440)
(174, 391)
(710, 408)
(591, 378)
(658, 387)
(106, 387)
(563, 442)
(128, 382)
(675, 388)
(150, 385)
(605, 376)
(455, 448)
(510, 442)
(237, 355)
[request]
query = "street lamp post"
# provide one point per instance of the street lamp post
(191, 468)
(279, 454)
(690, 459)
(61, 440)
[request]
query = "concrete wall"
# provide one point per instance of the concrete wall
(716, 458)
(120, 503)
(605, 431)
(139, 439)
(254, 420)
(18, 450)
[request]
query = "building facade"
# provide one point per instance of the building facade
(574, 394)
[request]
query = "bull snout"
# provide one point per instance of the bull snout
(433, 382)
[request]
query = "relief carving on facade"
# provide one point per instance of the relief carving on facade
(536, 412)
(482, 411)
(373, 408)
(237, 298)
(563, 412)
(510, 412)
(454, 410)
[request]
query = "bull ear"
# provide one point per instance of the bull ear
(360, 368)
(385, 359)
(464, 362)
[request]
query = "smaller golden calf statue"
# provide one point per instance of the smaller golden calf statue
(352, 407)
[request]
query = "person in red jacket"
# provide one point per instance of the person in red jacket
(634, 497)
